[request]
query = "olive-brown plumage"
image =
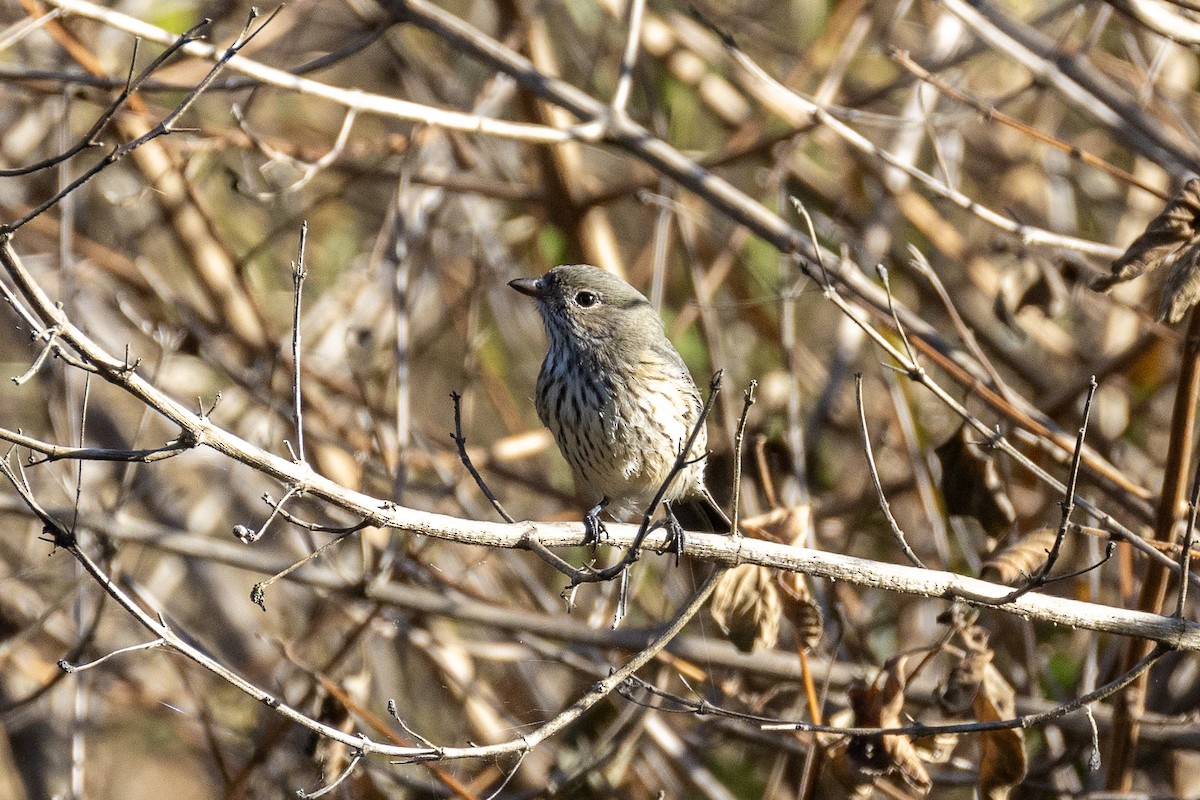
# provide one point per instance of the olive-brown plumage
(613, 390)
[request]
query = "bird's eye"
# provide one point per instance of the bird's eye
(586, 299)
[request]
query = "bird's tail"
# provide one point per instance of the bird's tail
(701, 512)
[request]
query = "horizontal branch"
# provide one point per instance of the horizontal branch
(352, 99)
(299, 477)
(492, 617)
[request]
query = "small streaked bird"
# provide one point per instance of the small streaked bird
(616, 394)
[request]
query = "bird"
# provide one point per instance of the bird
(617, 397)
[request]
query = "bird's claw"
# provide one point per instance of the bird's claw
(593, 527)
(673, 543)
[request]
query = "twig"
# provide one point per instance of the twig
(882, 272)
(897, 533)
(308, 171)
(748, 400)
(460, 442)
(507, 778)
(1068, 506)
(49, 335)
(132, 84)
(922, 265)
(992, 113)
(1025, 721)
(258, 592)
(54, 452)
(23, 28)
(70, 668)
(248, 536)
(1185, 549)
(682, 459)
(298, 276)
(764, 471)
(356, 757)
(165, 127)
(316, 527)
(351, 99)
(391, 709)
(637, 9)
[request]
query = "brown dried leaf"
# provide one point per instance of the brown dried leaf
(800, 610)
(999, 692)
(971, 485)
(974, 681)
(746, 605)
(1182, 289)
(1172, 239)
(936, 749)
(964, 679)
(1002, 759)
(860, 785)
(1036, 283)
(1020, 559)
(785, 525)
(885, 754)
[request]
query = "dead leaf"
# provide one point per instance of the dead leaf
(876, 706)
(974, 682)
(1022, 558)
(971, 484)
(1002, 760)
(957, 692)
(791, 595)
(785, 525)
(798, 606)
(1034, 282)
(1172, 240)
(936, 749)
(746, 606)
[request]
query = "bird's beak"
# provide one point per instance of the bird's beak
(529, 286)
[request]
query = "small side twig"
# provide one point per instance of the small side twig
(460, 441)
(70, 668)
(921, 264)
(394, 714)
(1068, 507)
(682, 459)
(749, 400)
(308, 171)
(298, 276)
(258, 593)
(897, 532)
(882, 272)
(251, 536)
(356, 757)
(1185, 550)
(50, 335)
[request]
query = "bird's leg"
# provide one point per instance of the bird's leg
(674, 541)
(593, 526)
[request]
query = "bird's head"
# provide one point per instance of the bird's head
(586, 308)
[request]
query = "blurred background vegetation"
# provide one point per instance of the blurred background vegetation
(181, 253)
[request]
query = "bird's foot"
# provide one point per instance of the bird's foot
(593, 526)
(674, 541)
